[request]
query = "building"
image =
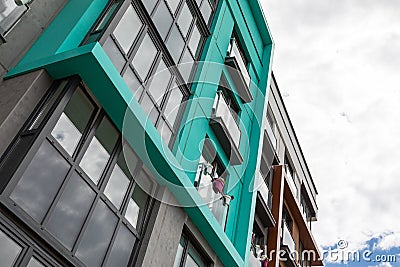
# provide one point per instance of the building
(286, 196)
(114, 152)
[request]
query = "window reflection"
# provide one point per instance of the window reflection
(174, 102)
(127, 29)
(121, 250)
(34, 263)
(118, 183)
(185, 19)
(72, 207)
(99, 150)
(162, 19)
(73, 121)
(144, 57)
(160, 82)
(97, 236)
(9, 251)
(40, 182)
(175, 43)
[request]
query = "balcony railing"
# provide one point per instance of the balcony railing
(222, 110)
(226, 128)
(287, 239)
(238, 71)
(271, 135)
(266, 192)
(213, 200)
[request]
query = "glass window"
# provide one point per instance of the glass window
(187, 255)
(73, 121)
(194, 41)
(127, 29)
(174, 101)
(144, 57)
(185, 19)
(119, 181)
(136, 206)
(96, 157)
(73, 208)
(164, 131)
(115, 55)
(97, 236)
(133, 83)
(162, 19)
(173, 4)
(175, 43)
(122, 248)
(40, 182)
(9, 251)
(150, 108)
(160, 82)
(9, 14)
(206, 10)
(33, 262)
(149, 4)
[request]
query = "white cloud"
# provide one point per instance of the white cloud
(339, 62)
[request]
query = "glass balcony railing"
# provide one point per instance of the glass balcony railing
(271, 135)
(213, 200)
(234, 51)
(222, 110)
(287, 239)
(265, 192)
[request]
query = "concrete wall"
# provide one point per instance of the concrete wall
(26, 31)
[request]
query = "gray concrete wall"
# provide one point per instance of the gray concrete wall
(18, 98)
(26, 31)
(164, 232)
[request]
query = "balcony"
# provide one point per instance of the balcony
(238, 71)
(226, 129)
(214, 201)
(289, 245)
(271, 135)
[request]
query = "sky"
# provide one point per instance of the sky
(337, 65)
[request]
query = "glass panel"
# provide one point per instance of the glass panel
(127, 29)
(106, 18)
(46, 107)
(137, 202)
(173, 4)
(179, 253)
(40, 182)
(133, 83)
(97, 236)
(144, 57)
(288, 239)
(185, 19)
(162, 19)
(206, 10)
(119, 181)
(160, 82)
(9, 14)
(73, 121)
(150, 108)
(34, 263)
(9, 250)
(73, 208)
(194, 259)
(223, 111)
(115, 55)
(174, 102)
(185, 68)
(175, 43)
(122, 248)
(99, 150)
(164, 131)
(194, 40)
(149, 4)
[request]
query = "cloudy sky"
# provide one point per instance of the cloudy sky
(337, 64)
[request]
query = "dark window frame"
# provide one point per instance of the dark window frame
(3, 34)
(43, 134)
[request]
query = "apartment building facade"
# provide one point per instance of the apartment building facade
(286, 198)
(129, 131)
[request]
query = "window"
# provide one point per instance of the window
(147, 54)
(210, 168)
(79, 169)
(291, 174)
(188, 255)
(10, 13)
(236, 50)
